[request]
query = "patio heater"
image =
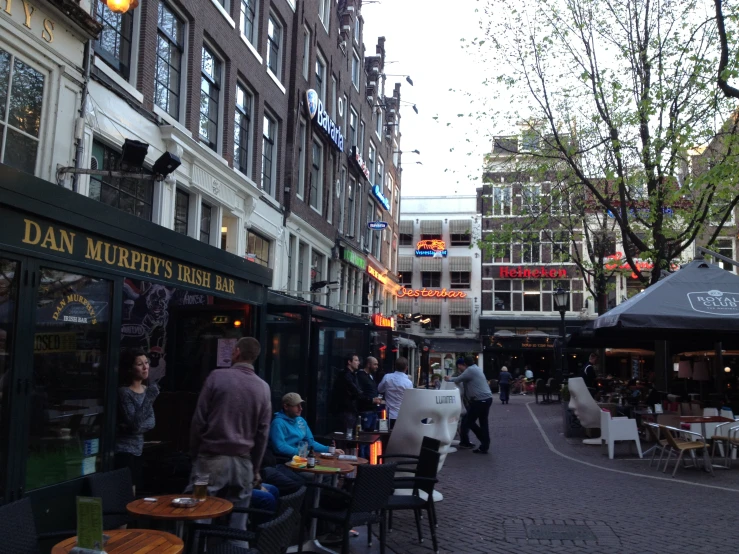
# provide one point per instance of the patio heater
(561, 301)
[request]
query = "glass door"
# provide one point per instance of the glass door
(72, 326)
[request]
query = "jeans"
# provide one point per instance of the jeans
(505, 389)
(264, 500)
(477, 410)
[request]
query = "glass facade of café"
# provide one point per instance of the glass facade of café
(79, 281)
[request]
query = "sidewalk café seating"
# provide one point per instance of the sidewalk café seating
(272, 537)
(553, 386)
(722, 437)
(18, 529)
(365, 505)
(411, 460)
(541, 389)
(680, 445)
(115, 488)
(423, 481)
(653, 431)
(614, 429)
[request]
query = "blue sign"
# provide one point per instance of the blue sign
(318, 114)
(377, 192)
(377, 225)
(432, 253)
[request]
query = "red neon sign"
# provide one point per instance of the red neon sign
(616, 261)
(381, 321)
(532, 273)
(426, 293)
(435, 245)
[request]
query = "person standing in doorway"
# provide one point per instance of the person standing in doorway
(504, 382)
(230, 428)
(346, 394)
(370, 399)
(588, 372)
(480, 399)
(393, 386)
(135, 412)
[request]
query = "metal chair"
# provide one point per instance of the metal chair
(682, 446)
(653, 431)
(18, 529)
(272, 537)
(722, 436)
(365, 505)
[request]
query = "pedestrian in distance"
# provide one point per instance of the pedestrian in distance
(480, 399)
(504, 382)
(393, 386)
(230, 429)
(588, 372)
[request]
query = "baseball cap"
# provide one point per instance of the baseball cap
(292, 399)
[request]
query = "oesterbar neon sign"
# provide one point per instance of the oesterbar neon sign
(426, 293)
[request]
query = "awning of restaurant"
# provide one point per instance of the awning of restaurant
(405, 305)
(431, 264)
(430, 307)
(460, 263)
(460, 226)
(455, 345)
(405, 263)
(406, 226)
(431, 227)
(460, 306)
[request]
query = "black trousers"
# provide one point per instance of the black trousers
(477, 411)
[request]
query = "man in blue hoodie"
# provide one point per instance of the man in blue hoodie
(289, 429)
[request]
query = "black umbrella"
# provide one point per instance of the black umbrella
(700, 298)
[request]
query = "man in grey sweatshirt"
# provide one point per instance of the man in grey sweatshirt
(230, 428)
(477, 391)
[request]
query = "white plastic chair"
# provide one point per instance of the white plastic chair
(614, 429)
(727, 412)
(710, 412)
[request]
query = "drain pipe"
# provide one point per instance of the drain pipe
(79, 127)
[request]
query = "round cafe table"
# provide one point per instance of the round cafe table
(162, 509)
(132, 541)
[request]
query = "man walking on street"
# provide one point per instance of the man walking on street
(480, 399)
(230, 428)
(393, 386)
(346, 394)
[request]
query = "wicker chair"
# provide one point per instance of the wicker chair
(365, 504)
(18, 529)
(272, 537)
(116, 490)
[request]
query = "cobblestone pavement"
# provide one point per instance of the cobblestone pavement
(538, 492)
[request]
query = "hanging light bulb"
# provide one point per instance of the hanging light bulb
(119, 6)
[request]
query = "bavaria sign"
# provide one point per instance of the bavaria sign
(377, 225)
(317, 113)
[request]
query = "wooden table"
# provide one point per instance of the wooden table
(132, 541)
(211, 507)
(337, 468)
(358, 462)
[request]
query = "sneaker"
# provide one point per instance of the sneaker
(465, 445)
(478, 451)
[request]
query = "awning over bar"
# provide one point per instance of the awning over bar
(460, 306)
(460, 263)
(431, 264)
(431, 226)
(406, 227)
(460, 226)
(430, 307)
(405, 264)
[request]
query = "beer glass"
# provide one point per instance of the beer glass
(200, 487)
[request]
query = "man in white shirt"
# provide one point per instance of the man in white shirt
(393, 386)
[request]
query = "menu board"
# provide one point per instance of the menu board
(90, 522)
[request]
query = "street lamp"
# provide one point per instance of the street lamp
(561, 301)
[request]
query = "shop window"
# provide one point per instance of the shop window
(130, 194)
(531, 296)
(206, 223)
(70, 358)
(406, 279)
(274, 47)
(258, 246)
(21, 102)
(459, 279)
(434, 323)
(242, 129)
(316, 176)
(501, 200)
(210, 98)
(269, 140)
(459, 321)
(113, 45)
(9, 281)
(430, 279)
(181, 211)
(355, 70)
(502, 297)
(248, 15)
(168, 72)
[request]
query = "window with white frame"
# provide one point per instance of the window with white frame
(501, 200)
(274, 47)
(248, 17)
(316, 266)
(269, 151)
(355, 70)
(181, 211)
(378, 125)
(316, 176)
(258, 246)
(531, 199)
(334, 98)
(357, 29)
(390, 193)
(397, 204)
(559, 199)
(320, 77)
(21, 106)
(500, 248)
(560, 246)
(530, 247)
(459, 321)
(206, 222)
(306, 52)
(725, 247)
(113, 44)
(302, 253)
(301, 158)
(360, 138)
(459, 279)
(242, 129)
(369, 235)
(324, 13)
(330, 168)
(380, 178)
(342, 205)
(379, 236)
(532, 296)
(351, 211)
(353, 128)
(168, 70)
(210, 97)
(371, 155)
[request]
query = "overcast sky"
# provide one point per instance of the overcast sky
(423, 37)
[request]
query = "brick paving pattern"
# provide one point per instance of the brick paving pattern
(525, 497)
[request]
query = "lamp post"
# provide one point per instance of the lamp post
(561, 301)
